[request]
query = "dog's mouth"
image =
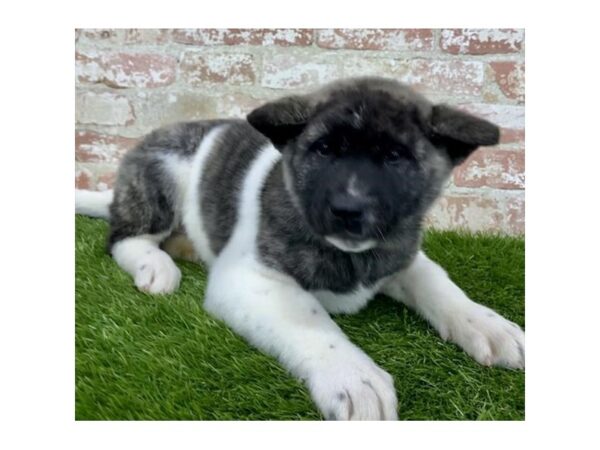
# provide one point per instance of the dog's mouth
(351, 245)
(348, 235)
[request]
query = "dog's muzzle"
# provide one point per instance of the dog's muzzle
(351, 216)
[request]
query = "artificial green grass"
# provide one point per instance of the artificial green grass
(163, 358)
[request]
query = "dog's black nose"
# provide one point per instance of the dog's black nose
(349, 212)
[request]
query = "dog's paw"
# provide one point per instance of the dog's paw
(157, 273)
(488, 337)
(350, 386)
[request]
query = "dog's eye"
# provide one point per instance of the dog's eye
(393, 157)
(321, 148)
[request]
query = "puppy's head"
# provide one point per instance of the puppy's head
(365, 158)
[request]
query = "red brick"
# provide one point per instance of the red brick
(512, 136)
(140, 70)
(510, 77)
(158, 107)
(98, 33)
(482, 41)
(444, 77)
(237, 105)
(488, 212)
(145, 36)
(229, 68)
(200, 36)
(103, 108)
(465, 211)
(83, 179)
(501, 169)
(286, 71)
(359, 66)
(506, 116)
(431, 77)
(276, 36)
(510, 118)
(376, 39)
(455, 77)
(245, 36)
(88, 67)
(95, 147)
(514, 213)
(122, 70)
(106, 180)
(124, 35)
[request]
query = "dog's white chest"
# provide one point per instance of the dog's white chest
(350, 302)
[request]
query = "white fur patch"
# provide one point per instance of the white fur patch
(92, 203)
(192, 205)
(482, 333)
(273, 313)
(243, 239)
(351, 246)
(180, 169)
(347, 303)
(152, 269)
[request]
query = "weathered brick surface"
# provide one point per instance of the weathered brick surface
(103, 108)
(511, 119)
(510, 77)
(95, 176)
(460, 78)
(514, 213)
(479, 212)
(139, 70)
(155, 108)
(237, 104)
(106, 180)
(145, 36)
(245, 36)
(88, 67)
(285, 71)
(125, 70)
(228, 68)
(376, 39)
(457, 78)
(131, 81)
(95, 147)
(502, 169)
(102, 34)
(83, 179)
(481, 41)
(123, 36)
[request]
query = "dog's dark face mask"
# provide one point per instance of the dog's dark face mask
(364, 160)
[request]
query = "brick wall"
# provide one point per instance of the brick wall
(129, 81)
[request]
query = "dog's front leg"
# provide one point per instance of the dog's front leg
(482, 333)
(277, 316)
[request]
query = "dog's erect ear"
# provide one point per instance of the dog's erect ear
(461, 133)
(282, 120)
